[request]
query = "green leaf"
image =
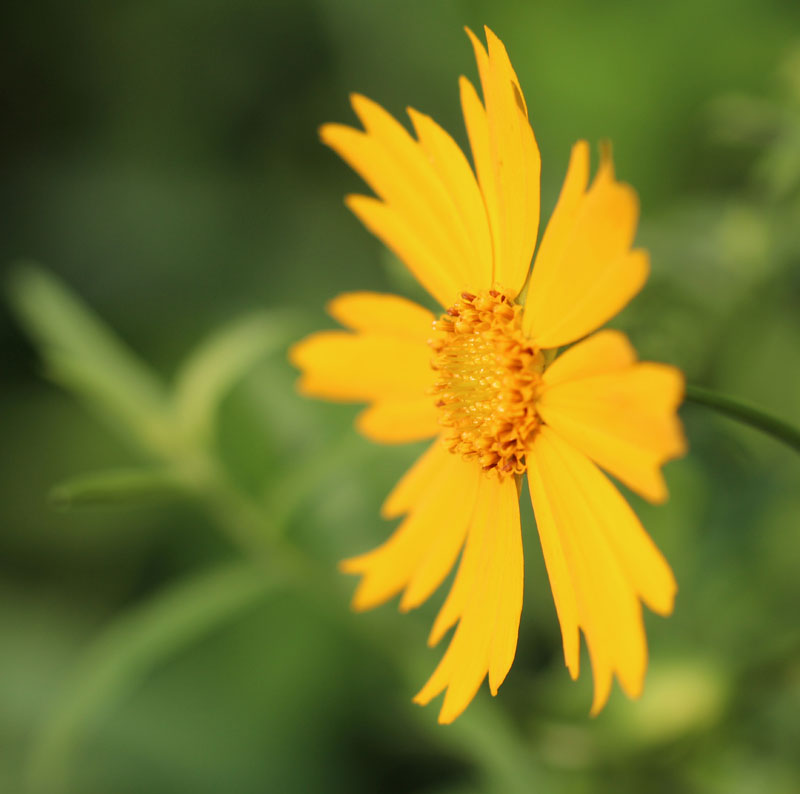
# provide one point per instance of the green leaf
(120, 487)
(84, 355)
(219, 363)
(122, 657)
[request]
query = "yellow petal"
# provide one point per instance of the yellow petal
(546, 271)
(490, 602)
(477, 126)
(609, 559)
(444, 543)
(599, 354)
(427, 185)
(513, 159)
(509, 570)
(382, 314)
(420, 175)
(400, 421)
(386, 175)
(587, 271)
(413, 484)
(620, 413)
(424, 547)
(558, 571)
(471, 562)
(459, 181)
(645, 566)
(338, 365)
(404, 240)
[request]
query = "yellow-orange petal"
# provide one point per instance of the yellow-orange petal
(477, 126)
(428, 187)
(546, 273)
(413, 484)
(338, 365)
(423, 549)
(405, 198)
(374, 312)
(587, 272)
(471, 563)
(513, 159)
(458, 179)
(610, 561)
(558, 568)
(399, 421)
(620, 413)
(420, 176)
(603, 352)
(489, 596)
(518, 165)
(409, 244)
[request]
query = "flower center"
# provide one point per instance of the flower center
(489, 375)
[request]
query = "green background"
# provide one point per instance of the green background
(161, 158)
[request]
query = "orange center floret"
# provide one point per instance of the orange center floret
(489, 375)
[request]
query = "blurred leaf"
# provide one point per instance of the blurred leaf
(219, 362)
(129, 649)
(119, 486)
(682, 697)
(742, 119)
(85, 356)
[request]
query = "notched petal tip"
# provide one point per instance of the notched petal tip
(355, 201)
(657, 494)
(477, 45)
(362, 604)
(303, 387)
(433, 638)
(598, 706)
(606, 150)
(664, 605)
(351, 565)
(327, 132)
(322, 131)
(419, 701)
(364, 107)
(633, 688)
(447, 718)
(580, 148)
(294, 354)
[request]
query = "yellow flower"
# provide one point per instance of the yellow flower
(483, 378)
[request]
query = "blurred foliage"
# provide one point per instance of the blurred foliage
(177, 624)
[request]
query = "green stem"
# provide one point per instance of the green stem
(746, 413)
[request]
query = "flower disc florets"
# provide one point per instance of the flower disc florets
(489, 376)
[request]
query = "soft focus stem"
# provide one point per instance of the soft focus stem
(745, 413)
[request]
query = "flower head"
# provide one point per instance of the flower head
(485, 381)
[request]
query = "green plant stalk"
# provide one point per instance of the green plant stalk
(745, 413)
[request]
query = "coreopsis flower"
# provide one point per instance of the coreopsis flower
(485, 379)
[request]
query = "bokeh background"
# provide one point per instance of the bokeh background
(160, 161)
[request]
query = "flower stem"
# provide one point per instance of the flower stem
(746, 413)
